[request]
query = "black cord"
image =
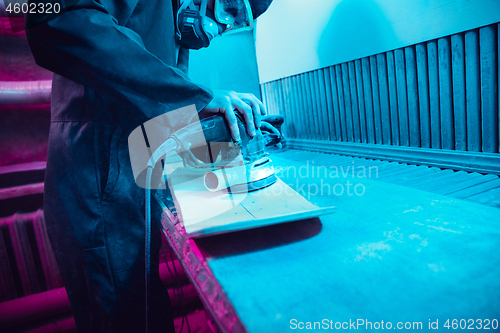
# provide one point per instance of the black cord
(147, 241)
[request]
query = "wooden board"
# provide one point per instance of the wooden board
(208, 213)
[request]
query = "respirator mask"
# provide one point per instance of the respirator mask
(197, 26)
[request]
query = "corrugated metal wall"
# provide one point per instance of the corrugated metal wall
(442, 94)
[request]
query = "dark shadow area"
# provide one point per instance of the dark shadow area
(16, 61)
(24, 204)
(40, 324)
(22, 174)
(24, 133)
(262, 238)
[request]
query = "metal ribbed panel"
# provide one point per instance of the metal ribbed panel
(440, 94)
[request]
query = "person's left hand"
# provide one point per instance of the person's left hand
(267, 127)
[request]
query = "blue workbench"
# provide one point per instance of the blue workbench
(393, 253)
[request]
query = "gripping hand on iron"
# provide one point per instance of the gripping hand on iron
(229, 102)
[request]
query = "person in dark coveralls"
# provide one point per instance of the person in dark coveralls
(114, 65)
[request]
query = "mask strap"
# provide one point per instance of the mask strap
(190, 4)
(184, 5)
(203, 7)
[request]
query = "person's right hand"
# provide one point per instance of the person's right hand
(228, 102)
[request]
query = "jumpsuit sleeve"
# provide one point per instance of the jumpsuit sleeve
(87, 45)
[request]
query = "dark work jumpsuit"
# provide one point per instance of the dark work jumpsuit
(114, 69)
